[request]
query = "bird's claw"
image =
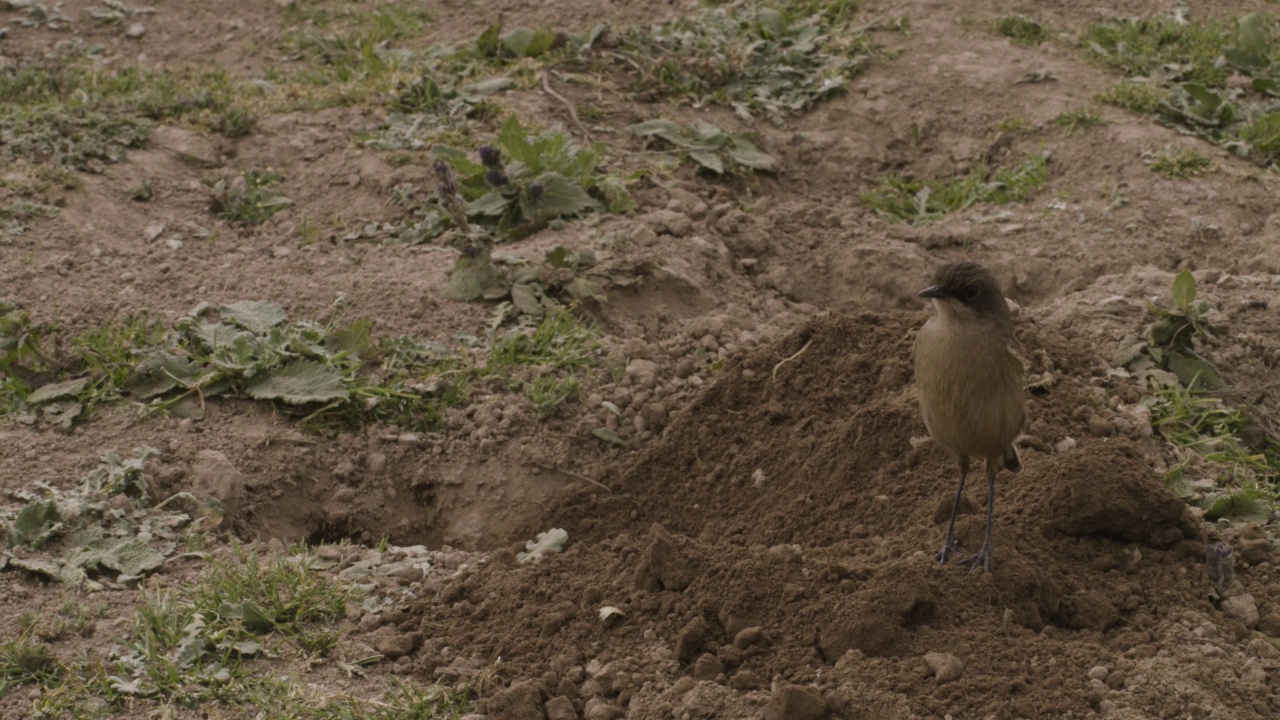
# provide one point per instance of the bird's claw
(980, 560)
(948, 547)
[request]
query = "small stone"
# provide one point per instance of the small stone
(1269, 624)
(643, 373)
(691, 640)
(521, 701)
(1115, 680)
(214, 475)
(135, 31)
(598, 709)
(1253, 673)
(707, 667)
(1099, 672)
(1262, 648)
(745, 680)
(1064, 444)
(560, 708)
(1241, 608)
(667, 222)
(747, 637)
(1100, 426)
(685, 368)
(395, 645)
(637, 348)
(945, 666)
(793, 702)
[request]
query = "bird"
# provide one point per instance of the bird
(969, 378)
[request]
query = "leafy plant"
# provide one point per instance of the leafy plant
(1183, 67)
(1172, 335)
(1144, 98)
(1164, 48)
(1022, 30)
(750, 56)
(710, 147)
(1078, 121)
(1179, 163)
(920, 201)
(1263, 134)
(250, 198)
(105, 525)
(24, 661)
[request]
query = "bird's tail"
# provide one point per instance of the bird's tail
(1012, 462)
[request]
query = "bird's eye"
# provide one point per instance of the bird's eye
(969, 294)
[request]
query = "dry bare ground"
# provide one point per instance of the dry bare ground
(351, 414)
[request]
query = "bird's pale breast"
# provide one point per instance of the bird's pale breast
(970, 385)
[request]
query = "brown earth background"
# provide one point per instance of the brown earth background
(765, 533)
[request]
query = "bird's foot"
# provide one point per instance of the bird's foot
(948, 547)
(980, 560)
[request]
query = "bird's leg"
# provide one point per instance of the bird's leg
(949, 543)
(981, 560)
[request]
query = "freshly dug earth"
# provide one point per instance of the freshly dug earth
(782, 531)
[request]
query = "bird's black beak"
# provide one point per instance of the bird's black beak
(936, 292)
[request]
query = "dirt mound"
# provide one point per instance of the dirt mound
(782, 529)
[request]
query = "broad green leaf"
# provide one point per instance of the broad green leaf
(514, 139)
(560, 197)
(560, 257)
(747, 155)
(665, 129)
(56, 391)
(705, 135)
(525, 299)
(258, 316)
(1267, 86)
(1184, 290)
(63, 414)
(581, 289)
(35, 524)
(485, 88)
(159, 372)
(255, 618)
(52, 570)
(487, 43)
(617, 199)
(472, 279)
(131, 556)
(523, 42)
(299, 382)
(493, 203)
(1193, 371)
(1253, 36)
(772, 24)
(465, 166)
(609, 436)
(1241, 506)
(709, 160)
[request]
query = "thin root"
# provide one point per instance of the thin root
(789, 359)
(570, 473)
(573, 114)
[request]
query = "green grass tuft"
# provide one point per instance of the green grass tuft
(1022, 30)
(919, 201)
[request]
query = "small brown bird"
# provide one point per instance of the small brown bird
(969, 376)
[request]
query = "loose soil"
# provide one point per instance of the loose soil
(765, 534)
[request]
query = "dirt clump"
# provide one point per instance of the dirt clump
(782, 530)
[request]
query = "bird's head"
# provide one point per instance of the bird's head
(967, 290)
